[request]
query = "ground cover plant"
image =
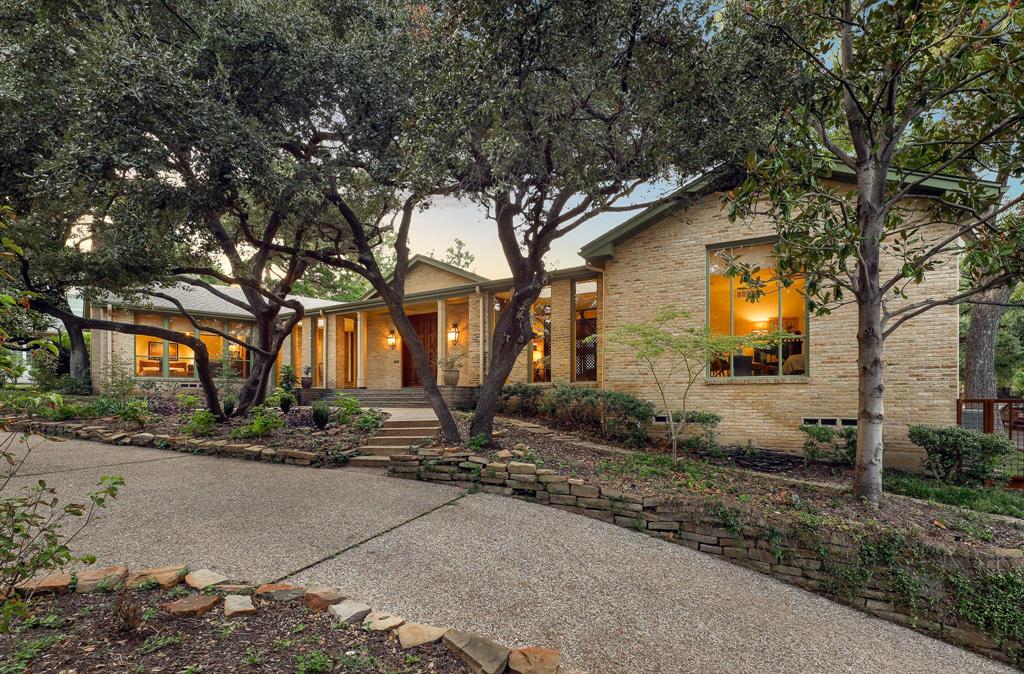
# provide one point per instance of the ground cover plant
(88, 633)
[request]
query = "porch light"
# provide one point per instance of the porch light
(391, 339)
(453, 333)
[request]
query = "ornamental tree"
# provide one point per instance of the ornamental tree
(920, 103)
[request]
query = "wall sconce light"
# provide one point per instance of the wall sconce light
(453, 333)
(391, 339)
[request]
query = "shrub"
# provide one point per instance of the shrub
(228, 405)
(369, 420)
(33, 541)
(614, 415)
(288, 378)
(135, 412)
(958, 454)
(321, 414)
(285, 402)
(119, 382)
(264, 422)
(347, 407)
(188, 401)
(708, 422)
(200, 423)
(127, 612)
(835, 443)
(526, 396)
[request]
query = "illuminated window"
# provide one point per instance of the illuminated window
(540, 347)
(149, 351)
(731, 312)
(584, 327)
(238, 355)
(181, 359)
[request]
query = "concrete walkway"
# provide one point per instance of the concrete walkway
(612, 600)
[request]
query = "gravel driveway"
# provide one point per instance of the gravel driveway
(612, 600)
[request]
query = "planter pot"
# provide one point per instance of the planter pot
(307, 382)
(451, 377)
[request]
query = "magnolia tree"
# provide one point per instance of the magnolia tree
(906, 94)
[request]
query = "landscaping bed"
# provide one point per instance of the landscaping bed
(78, 632)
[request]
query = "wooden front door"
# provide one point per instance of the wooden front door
(425, 326)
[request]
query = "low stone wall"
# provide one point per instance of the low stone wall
(241, 449)
(904, 582)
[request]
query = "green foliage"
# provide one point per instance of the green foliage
(34, 526)
(346, 407)
(200, 423)
(708, 422)
(135, 412)
(526, 397)
(477, 442)
(991, 600)
(282, 398)
(187, 401)
(288, 378)
(959, 454)
(155, 642)
(228, 406)
(313, 662)
(321, 414)
(26, 652)
(980, 499)
(119, 383)
(837, 444)
(369, 420)
(263, 422)
(611, 414)
(11, 368)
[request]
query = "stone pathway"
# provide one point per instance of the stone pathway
(609, 599)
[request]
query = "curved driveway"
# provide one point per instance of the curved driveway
(612, 600)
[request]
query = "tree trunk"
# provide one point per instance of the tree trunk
(78, 363)
(512, 332)
(871, 216)
(980, 342)
(426, 374)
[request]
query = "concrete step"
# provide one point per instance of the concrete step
(385, 450)
(418, 431)
(396, 440)
(369, 461)
(412, 423)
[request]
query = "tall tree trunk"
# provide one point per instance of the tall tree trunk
(78, 363)
(254, 389)
(513, 331)
(980, 342)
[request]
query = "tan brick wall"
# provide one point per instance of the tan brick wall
(471, 372)
(665, 265)
(425, 277)
(561, 330)
(459, 313)
(383, 366)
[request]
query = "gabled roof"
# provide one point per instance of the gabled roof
(444, 266)
(604, 246)
(202, 302)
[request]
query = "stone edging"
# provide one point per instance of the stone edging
(756, 547)
(180, 443)
(236, 599)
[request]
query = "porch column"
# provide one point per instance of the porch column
(442, 334)
(361, 349)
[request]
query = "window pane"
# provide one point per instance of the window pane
(149, 351)
(794, 322)
(585, 326)
(758, 317)
(540, 349)
(181, 361)
(719, 307)
(238, 355)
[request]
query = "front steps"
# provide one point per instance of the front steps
(395, 437)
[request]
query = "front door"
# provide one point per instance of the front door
(425, 326)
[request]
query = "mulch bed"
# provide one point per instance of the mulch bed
(296, 434)
(818, 495)
(84, 638)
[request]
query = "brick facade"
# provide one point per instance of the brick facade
(665, 265)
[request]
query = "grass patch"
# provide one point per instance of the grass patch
(26, 652)
(981, 499)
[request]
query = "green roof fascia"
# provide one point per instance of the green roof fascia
(603, 247)
(454, 291)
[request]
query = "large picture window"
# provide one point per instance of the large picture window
(731, 312)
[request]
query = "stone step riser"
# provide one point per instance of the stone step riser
(384, 451)
(417, 431)
(369, 461)
(396, 440)
(410, 423)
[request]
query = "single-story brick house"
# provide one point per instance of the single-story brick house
(668, 255)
